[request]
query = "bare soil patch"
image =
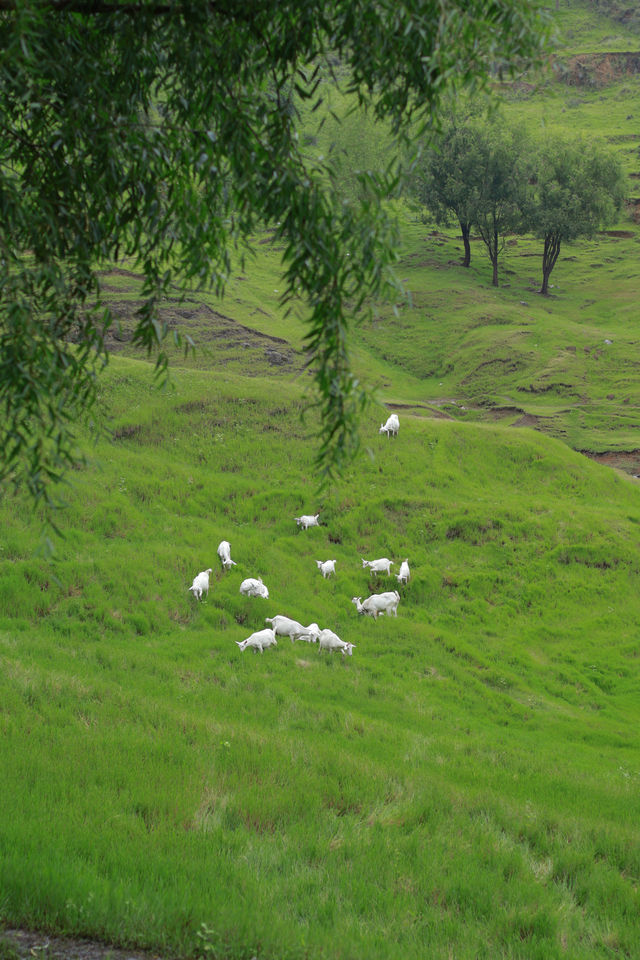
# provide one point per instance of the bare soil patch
(527, 420)
(596, 69)
(619, 234)
(30, 944)
(208, 328)
(626, 460)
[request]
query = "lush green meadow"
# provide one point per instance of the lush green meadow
(467, 784)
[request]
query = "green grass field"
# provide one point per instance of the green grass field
(466, 785)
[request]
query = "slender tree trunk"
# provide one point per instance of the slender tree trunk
(490, 233)
(493, 253)
(549, 257)
(466, 232)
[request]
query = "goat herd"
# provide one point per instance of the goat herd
(375, 605)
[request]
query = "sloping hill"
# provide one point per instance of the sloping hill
(567, 363)
(465, 782)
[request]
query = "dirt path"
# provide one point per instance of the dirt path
(27, 944)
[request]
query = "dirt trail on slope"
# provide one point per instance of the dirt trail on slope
(28, 944)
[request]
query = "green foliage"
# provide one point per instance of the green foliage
(500, 173)
(492, 176)
(168, 135)
(444, 177)
(578, 189)
(7, 950)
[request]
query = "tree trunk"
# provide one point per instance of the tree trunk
(493, 253)
(466, 231)
(489, 229)
(549, 257)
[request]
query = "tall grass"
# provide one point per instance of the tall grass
(465, 784)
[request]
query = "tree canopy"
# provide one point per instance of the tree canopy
(442, 180)
(168, 133)
(492, 176)
(501, 174)
(578, 189)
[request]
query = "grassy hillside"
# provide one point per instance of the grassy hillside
(465, 784)
(454, 345)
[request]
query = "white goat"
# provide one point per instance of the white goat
(224, 552)
(403, 576)
(259, 640)
(286, 627)
(330, 641)
(254, 588)
(379, 603)
(311, 633)
(378, 566)
(200, 584)
(391, 426)
(326, 567)
(306, 521)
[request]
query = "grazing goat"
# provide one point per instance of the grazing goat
(391, 426)
(378, 566)
(326, 567)
(286, 627)
(259, 640)
(254, 588)
(379, 603)
(224, 552)
(306, 521)
(330, 641)
(403, 576)
(200, 584)
(311, 633)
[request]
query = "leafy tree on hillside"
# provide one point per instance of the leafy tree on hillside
(443, 179)
(167, 133)
(579, 188)
(500, 184)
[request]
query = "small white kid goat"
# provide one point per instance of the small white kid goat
(403, 576)
(330, 641)
(200, 584)
(326, 567)
(378, 566)
(259, 640)
(224, 552)
(254, 588)
(379, 603)
(391, 426)
(306, 521)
